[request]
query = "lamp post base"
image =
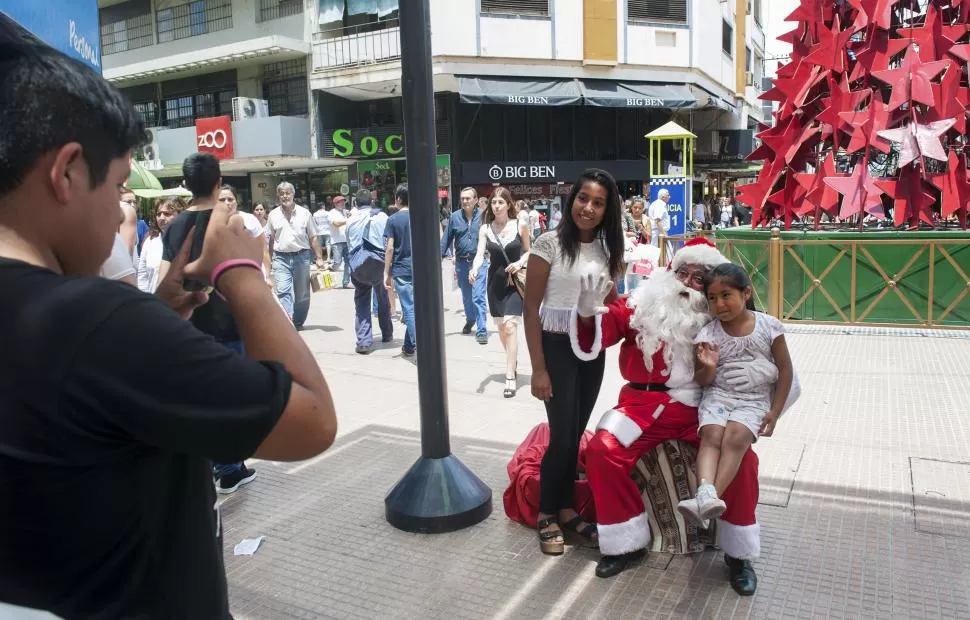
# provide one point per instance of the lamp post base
(437, 496)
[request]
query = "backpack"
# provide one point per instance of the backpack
(366, 260)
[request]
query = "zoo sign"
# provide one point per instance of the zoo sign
(214, 135)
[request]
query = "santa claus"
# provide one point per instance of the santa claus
(656, 326)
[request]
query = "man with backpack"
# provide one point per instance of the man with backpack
(365, 256)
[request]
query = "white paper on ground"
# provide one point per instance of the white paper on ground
(248, 546)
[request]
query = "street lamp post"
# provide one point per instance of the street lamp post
(438, 493)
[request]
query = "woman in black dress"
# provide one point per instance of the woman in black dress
(507, 242)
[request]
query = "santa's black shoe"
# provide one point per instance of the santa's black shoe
(612, 565)
(743, 579)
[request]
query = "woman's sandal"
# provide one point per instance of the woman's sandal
(510, 391)
(584, 531)
(551, 542)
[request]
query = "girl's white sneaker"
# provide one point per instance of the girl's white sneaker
(709, 505)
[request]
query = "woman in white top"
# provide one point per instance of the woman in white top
(150, 258)
(589, 239)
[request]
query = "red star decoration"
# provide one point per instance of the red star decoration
(911, 82)
(792, 91)
(818, 194)
(839, 99)
(962, 51)
(877, 52)
(910, 201)
(861, 194)
(880, 12)
(955, 188)
(918, 140)
(789, 199)
(953, 100)
(934, 38)
(865, 124)
(830, 50)
(756, 194)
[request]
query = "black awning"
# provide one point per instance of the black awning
(610, 94)
(519, 91)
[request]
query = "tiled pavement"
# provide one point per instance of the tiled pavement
(864, 507)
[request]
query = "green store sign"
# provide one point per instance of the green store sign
(362, 143)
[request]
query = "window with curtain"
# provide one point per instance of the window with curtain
(674, 11)
(355, 16)
(126, 26)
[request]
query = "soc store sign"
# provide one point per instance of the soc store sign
(497, 173)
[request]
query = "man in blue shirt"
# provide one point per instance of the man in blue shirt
(462, 230)
(397, 264)
(367, 227)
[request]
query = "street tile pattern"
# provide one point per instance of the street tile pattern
(864, 504)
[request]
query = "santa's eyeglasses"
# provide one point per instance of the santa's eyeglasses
(694, 277)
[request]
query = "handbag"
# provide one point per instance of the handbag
(516, 279)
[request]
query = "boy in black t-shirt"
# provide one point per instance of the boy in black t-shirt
(105, 477)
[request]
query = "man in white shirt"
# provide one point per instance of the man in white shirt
(338, 236)
(660, 220)
(321, 219)
(292, 234)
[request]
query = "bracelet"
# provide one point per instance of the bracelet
(226, 265)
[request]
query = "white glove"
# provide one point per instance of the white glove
(750, 375)
(593, 290)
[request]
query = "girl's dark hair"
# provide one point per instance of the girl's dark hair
(610, 230)
(732, 275)
(499, 192)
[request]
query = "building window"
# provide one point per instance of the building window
(285, 88)
(193, 18)
(756, 9)
(148, 111)
(747, 59)
(727, 39)
(516, 7)
(657, 11)
(274, 9)
(126, 26)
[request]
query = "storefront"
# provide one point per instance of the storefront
(547, 180)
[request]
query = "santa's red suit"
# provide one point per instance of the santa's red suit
(659, 403)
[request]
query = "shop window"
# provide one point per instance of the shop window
(674, 11)
(126, 26)
(516, 7)
(340, 18)
(274, 9)
(727, 38)
(192, 19)
(285, 88)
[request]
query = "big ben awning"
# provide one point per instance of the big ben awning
(614, 94)
(519, 91)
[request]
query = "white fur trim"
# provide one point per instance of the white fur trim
(738, 541)
(625, 537)
(697, 255)
(620, 426)
(574, 337)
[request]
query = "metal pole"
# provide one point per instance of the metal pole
(438, 493)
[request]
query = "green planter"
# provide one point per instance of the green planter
(871, 278)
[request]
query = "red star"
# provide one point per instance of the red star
(861, 194)
(756, 194)
(839, 99)
(877, 52)
(962, 51)
(953, 100)
(934, 39)
(911, 82)
(955, 188)
(865, 124)
(792, 91)
(880, 12)
(818, 194)
(830, 50)
(789, 199)
(910, 201)
(918, 140)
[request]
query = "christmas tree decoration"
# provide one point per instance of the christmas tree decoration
(872, 116)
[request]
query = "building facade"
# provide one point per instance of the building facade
(528, 92)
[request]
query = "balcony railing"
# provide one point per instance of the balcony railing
(357, 45)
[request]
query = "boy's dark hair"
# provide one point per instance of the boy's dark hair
(48, 100)
(202, 174)
(363, 198)
(401, 194)
(610, 230)
(732, 275)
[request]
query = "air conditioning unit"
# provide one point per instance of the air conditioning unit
(148, 155)
(749, 79)
(246, 108)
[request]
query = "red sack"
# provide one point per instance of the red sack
(522, 497)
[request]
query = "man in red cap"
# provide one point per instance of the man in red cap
(657, 324)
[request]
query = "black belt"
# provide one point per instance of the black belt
(649, 387)
(291, 253)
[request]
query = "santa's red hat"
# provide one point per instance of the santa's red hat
(698, 251)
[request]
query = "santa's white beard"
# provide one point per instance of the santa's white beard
(667, 312)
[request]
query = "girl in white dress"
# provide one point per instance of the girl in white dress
(729, 420)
